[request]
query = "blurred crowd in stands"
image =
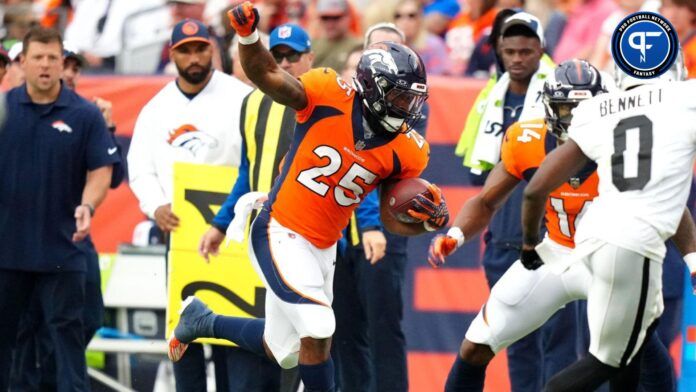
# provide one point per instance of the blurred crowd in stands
(450, 35)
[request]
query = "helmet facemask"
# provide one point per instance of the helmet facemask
(559, 114)
(573, 81)
(398, 108)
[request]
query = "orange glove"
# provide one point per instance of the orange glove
(244, 18)
(431, 208)
(440, 247)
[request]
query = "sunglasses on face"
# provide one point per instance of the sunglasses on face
(330, 18)
(410, 15)
(293, 56)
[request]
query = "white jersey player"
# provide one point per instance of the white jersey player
(527, 295)
(644, 142)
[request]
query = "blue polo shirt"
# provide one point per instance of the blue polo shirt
(45, 154)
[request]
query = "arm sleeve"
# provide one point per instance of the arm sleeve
(241, 187)
(367, 212)
(141, 168)
(101, 150)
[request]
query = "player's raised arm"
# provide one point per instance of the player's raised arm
(258, 63)
(475, 215)
(558, 166)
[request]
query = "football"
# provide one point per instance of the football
(401, 196)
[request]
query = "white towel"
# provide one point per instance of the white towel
(490, 136)
(248, 202)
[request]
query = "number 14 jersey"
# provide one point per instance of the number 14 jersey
(334, 161)
(524, 148)
(643, 141)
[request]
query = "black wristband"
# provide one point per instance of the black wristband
(112, 129)
(91, 208)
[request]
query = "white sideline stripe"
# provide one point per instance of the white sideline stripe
(108, 381)
(142, 346)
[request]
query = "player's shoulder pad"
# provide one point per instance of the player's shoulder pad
(325, 82)
(684, 93)
(524, 132)
(414, 150)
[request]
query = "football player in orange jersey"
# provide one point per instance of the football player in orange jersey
(346, 142)
(529, 293)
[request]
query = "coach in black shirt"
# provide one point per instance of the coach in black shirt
(55, 167)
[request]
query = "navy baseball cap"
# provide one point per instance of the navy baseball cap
(291, 35)
(189, 30)
(71, 52)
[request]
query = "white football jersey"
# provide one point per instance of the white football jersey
(643, 141)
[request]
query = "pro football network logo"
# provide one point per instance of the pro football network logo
(644, 45)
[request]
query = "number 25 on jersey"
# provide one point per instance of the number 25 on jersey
(347, 187)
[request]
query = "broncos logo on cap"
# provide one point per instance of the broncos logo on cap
(192, 139)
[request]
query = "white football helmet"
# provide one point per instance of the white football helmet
(677, 72)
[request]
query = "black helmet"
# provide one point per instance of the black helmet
(392, 84)
(573, 81)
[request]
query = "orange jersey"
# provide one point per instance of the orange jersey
(332, 164)
(524, 148)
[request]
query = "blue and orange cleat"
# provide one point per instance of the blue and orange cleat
(196, 321)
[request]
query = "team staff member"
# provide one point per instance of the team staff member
(187, 121)
(56, 162)
(33, 367)
(267, 129)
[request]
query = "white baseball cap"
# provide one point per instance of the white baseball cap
(527, 20)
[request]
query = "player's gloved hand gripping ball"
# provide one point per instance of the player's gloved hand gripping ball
(244, 18)
(430, 207)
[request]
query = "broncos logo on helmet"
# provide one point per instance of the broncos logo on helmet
(392, 83)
